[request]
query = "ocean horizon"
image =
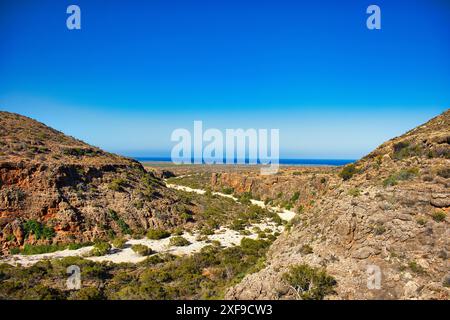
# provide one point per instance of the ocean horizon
(286, 161)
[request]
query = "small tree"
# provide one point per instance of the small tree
(179, 241)
(309, 283)
(101, 249)
(348, 171)
(141, 250)
(119, 243)
(156, 234)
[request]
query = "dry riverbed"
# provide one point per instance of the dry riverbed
(225, 236)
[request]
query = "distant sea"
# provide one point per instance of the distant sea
(293, 162)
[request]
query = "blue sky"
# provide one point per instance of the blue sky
(137, 70)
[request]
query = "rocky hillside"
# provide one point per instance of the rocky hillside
(388, 211)
(294, 188)
(56, 189)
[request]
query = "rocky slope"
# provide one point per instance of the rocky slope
(56, 189)
(388, 211)
(292, 187)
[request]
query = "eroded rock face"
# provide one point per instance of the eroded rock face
(392, 214)
(79, 191)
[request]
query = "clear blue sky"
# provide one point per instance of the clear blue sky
(139, 69)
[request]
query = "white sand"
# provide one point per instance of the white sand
(225, 236)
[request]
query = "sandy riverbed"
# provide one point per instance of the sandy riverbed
(225, 236)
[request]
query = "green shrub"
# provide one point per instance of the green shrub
(113, 214)
(39, 230)
(295, 196)
(101, 249)
(404, 149)
(186, 216)
(416, 268)
(421, 221)
(206, 231)
(227, 190)
(390, 181)
(177, 231)
(29, 249)
(407, 174)
(156, 234)
(87, 293)
(179, 241)
(154, 259)
(245, 198)
(141, 250)
(14, 250)
(119, 243)
(309, 283)
(354, 192)
(238, 224)
(402, 175)
(439, 215)
(117, 184)
(253, 247)
(348, 171)
(124, 228)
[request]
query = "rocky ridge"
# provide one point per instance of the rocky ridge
(66, 191)
(388, 210)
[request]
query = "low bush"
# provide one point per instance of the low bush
(124, 228)
(156, 234)
(309, 283)
(117, 184)
(348, 171)
(404, 149)
(416, 268)
(29, 249)
(227, 190)
(141, 250)
(245, 198)
(38, 230)
(295, 196)
(87, 293)
(179, 241)
(439, 215)
(402, 175)
(101, 249)
(354, 192)
(119, 243)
